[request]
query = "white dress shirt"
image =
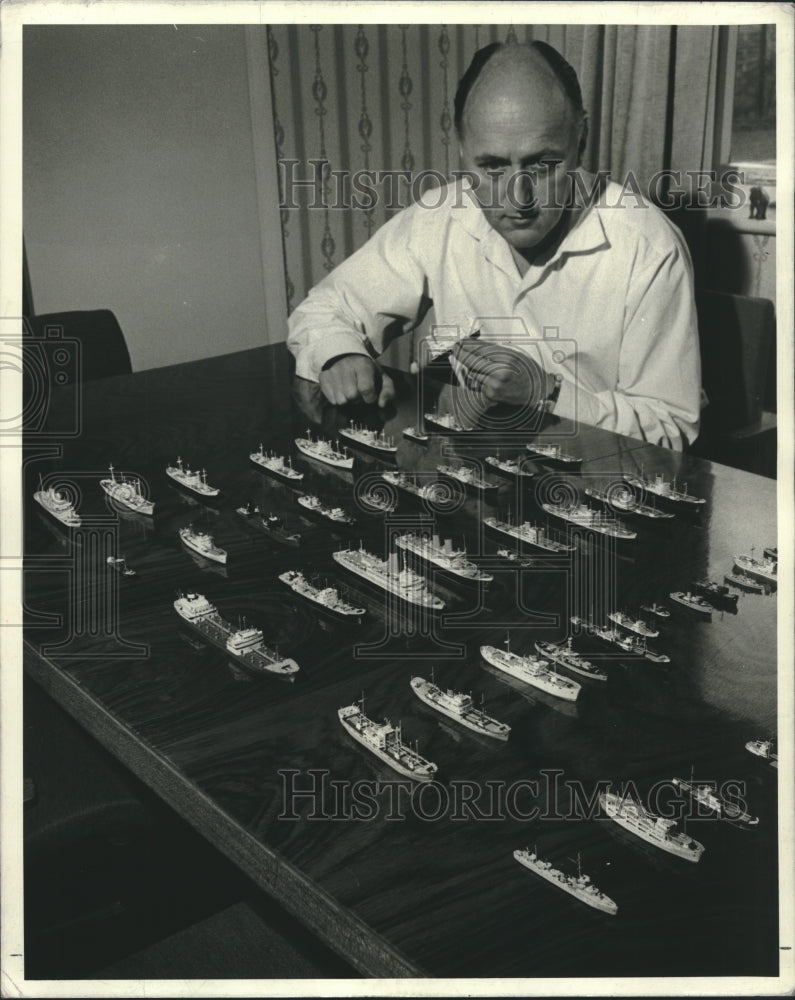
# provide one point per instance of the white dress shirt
(611, 311)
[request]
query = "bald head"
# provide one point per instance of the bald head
(522, 128)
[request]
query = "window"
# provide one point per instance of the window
(753, 127)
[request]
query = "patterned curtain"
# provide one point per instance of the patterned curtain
(379, 99)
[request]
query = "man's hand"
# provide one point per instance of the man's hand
(501, 374)
(355, 378)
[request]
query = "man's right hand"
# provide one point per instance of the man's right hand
(355, 378)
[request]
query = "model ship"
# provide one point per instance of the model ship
(385, 742)
(127, 492)
(195, 481)
(692, 601)
(271, 524)
(316, 506)
(579, 887)
(531, 670)
(763, 749)
(443, 555)
(202, 542)
(653, 829)
(659, 486)
(445, 420)
(119, 563)
(464, 474)
(324, 451)
(552, 453)
(529, 533)
(627, 643)
(765, 568)
(636, 625)
(656, 609)
(704, 795)
(55, 503)
(458, 706)
(625, 501)
(746, 582)
(369, 438)
(510, 467)
(327, 597)
(274, 463)
(584, 516)
(565, 656)
(429, 491)
(415, 435)
(245, 644)
(771, 553)
(718, 592)
(514, 557)
(385, 573)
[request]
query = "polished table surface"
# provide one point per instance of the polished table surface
(426, 885)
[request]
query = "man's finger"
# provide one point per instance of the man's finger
(387, 393)
(365, 382)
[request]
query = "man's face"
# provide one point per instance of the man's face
(520, 142)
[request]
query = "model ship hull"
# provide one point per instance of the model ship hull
(470, 717)
(65, 515)
(443, 560)
(301, 587)
(537, 676)
(329, 456)
(371, 443)
(553, 455)
(564, 658)
(636, 626)
(593, 898)
(532, 536)
(127, 496)
(589, 520)
(636, 820)
(211, 552)
(390, 582)
(283, 472)
(277, 531)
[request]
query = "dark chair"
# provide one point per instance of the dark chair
(102, 347)
(737, 335)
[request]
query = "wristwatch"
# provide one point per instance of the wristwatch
(549, 403)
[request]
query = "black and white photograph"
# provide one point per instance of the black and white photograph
(397, 447)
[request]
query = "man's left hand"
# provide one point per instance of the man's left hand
(501, 374)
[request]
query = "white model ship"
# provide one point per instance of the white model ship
(763, 749)
(636, 625)
(127, 492)
(458, 706)
(376, 440)
(510, 467)
(202, 542)
(385, 742)
(443, 555)
(580, 886)
(629, 643)
(659, 486)
(276, 464)
(324, 451)
(692, 601)
(532, 670)
(191, 480)
(385, 573)
(327, 597)
(466, 475)
(119, 563)
(765, 568)
(653, 829)
(552, 453)
(445, 420)
(415, 435)
(55, 503)
(529, 533)
(316, 506)
(246, 644)
(705, 795)
(744, 581)
(565, 656)
(584, 516)
(625, 501)
(401, 480)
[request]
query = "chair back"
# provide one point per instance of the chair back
(102, 347)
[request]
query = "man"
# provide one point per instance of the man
(584, 302)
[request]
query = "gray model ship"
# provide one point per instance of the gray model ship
(565, 656)
(580, 886)
(583, 516)
(386, 574)
(245, 644)
(127, 491)
(271, 462)
(655, 830)
(531, 670)
(540, 538)
(327, 597)
(376, 440)
(443, 555)
(191, 480)
(468, 476)
(58, 505)
(385, 741)
(625, 501)
(202, 542)
(458, 706)
(323, 451)
(704, 795)
(659, 486)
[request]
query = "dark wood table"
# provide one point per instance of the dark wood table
(427, 885)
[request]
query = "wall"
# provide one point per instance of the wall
(143, 176)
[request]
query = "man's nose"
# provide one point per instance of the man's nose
(521, 189)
